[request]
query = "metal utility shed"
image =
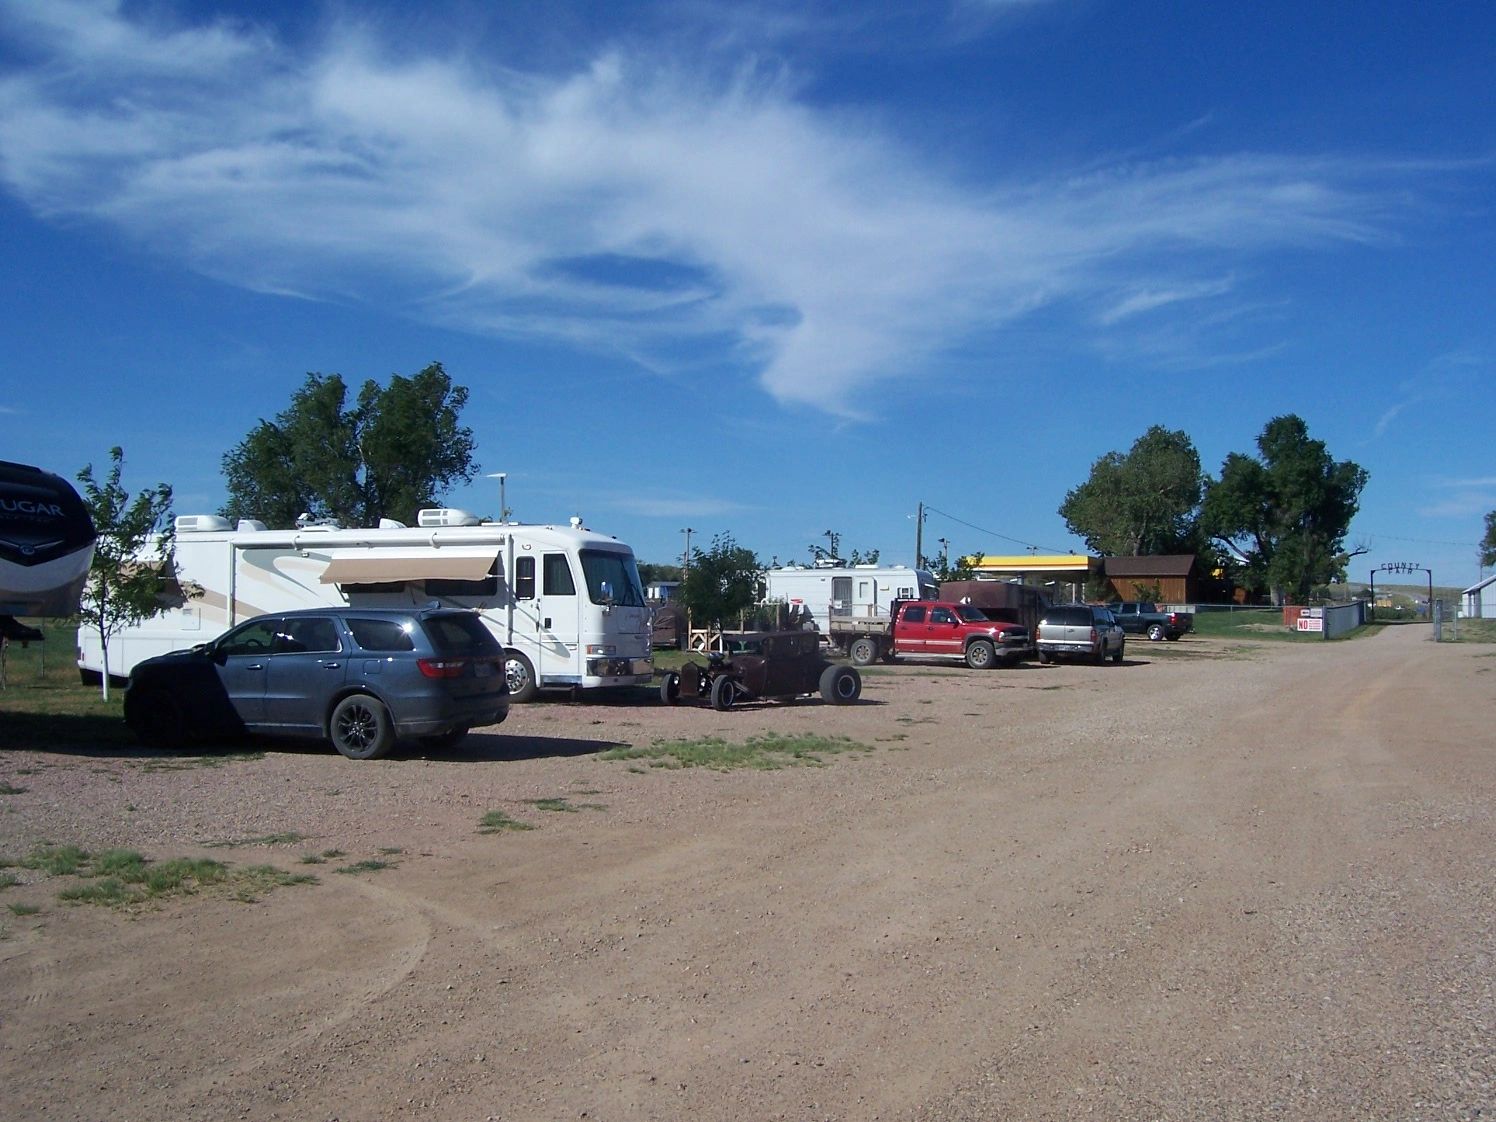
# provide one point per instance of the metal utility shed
(1479, 600)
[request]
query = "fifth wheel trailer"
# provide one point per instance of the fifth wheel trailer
(826, 592)
(46, 544)
(566, 602)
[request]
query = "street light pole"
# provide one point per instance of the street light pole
(686, 556)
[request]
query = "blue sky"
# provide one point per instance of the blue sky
(766, 269)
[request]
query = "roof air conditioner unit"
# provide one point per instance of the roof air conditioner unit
(437, 517)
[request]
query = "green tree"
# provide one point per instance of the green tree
(1488, 543)
(833, 554)
(1285, 513)
(1143, 503)
(391, 454)
(129, 565)
(722, 583)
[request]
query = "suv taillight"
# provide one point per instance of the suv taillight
(1095, 636)
(442, 667)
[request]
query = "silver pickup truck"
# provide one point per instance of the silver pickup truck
(1079, 631)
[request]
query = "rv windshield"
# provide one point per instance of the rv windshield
(618, 572)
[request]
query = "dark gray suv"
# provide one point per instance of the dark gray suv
(1079, 631)
(360, 677)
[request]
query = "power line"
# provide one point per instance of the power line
(983, 530)
(1420, 541)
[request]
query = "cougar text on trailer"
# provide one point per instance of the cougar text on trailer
(565, 601)
(46, 543)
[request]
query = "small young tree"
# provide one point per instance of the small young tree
(1488, 543)
(722, 582)
(125, 578)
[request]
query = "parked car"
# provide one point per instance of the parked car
(362, 678)
(1079, 631)
(763, 664)
(1143, 617)
(933, 628)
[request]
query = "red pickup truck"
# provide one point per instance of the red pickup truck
(935, 628)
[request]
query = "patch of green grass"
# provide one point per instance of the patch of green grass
(553, 804)
(496, 822)
(109, 892)
(24, 909)
(122, 877)
(191, 763)
(368, 865)
(290, 837)
(1471, 631)
(8, 880)
(760, 752)
(391, 850)
(57, 860)
(7, 789)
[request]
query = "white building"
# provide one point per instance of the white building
(1479, 600)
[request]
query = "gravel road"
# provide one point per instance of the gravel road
(1225, 880)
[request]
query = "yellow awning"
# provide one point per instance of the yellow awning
(1030, 563)
(398, 570)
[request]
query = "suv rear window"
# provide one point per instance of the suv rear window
(460, 634)
(1075, 616)
(381, 634)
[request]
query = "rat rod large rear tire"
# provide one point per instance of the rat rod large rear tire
(841, 685)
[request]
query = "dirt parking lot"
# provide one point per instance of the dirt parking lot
(1225, 880)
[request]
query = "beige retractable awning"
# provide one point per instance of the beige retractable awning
(397, 570)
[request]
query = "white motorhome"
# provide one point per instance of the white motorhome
(847, 591)
(565, 601)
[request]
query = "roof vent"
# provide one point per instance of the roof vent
(392, 524)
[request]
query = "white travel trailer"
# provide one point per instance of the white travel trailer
(565, 601)
(825, 592)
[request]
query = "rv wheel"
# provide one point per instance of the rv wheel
(521, 676)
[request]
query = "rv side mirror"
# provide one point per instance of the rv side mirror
(607, 590)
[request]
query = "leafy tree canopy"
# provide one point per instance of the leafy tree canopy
(395, 451)
(722, 582)
(833, 554)
(1488, 543)
(1143, 503)
(1285, 512)
(126, 576)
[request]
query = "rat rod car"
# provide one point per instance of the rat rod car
(763, 664)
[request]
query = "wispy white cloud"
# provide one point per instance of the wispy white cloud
(1149, 299)
(677, 506)
(636, 204)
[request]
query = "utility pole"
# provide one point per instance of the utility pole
(919, 537)
(686, 556)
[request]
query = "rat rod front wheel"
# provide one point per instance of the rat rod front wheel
(725, 693)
